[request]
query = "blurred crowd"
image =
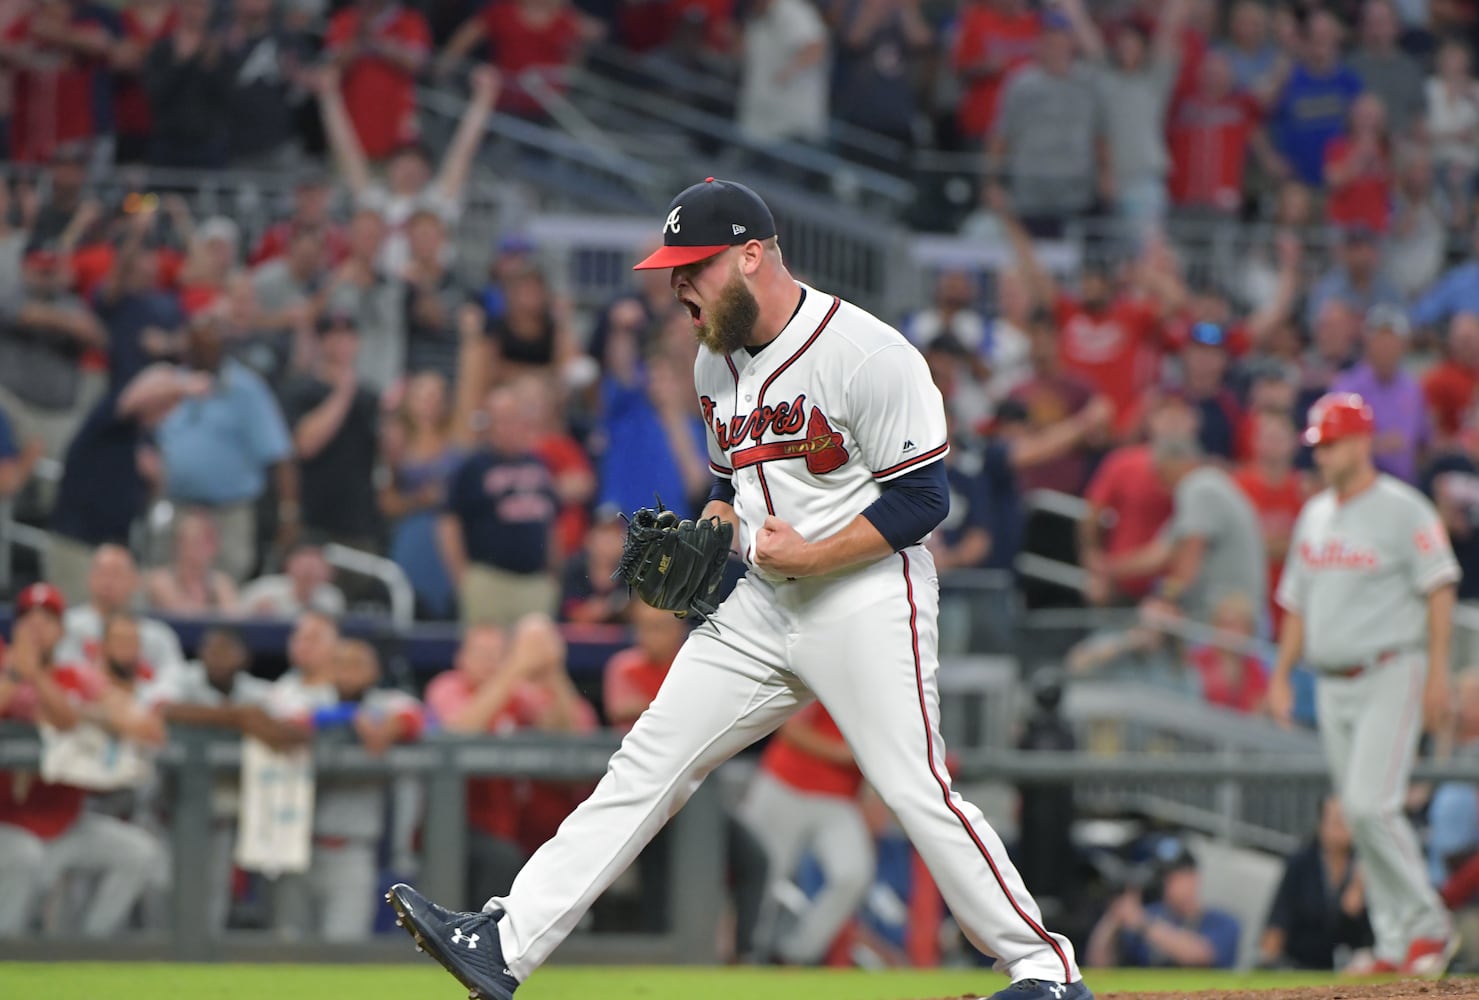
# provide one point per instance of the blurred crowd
(227, 413)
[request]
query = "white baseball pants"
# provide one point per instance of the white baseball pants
(1370, 726)
(865, 644)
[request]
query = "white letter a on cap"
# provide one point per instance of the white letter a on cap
(672, 225)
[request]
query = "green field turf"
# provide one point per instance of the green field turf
(101, 981)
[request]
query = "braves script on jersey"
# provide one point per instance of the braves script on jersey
(1359, 572)
(809, 427)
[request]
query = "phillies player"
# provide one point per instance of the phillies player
(1368, 594)
(825, 435)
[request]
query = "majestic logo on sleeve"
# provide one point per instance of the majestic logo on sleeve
(822, 447)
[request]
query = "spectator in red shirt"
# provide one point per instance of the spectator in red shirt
(1211, 131)
(311, 210)
(805, 800)
(1449, 385)
(1128, 504)
(993, 38)
(1358, 169)
(539, 37)
(378, 47)
(44, 829)
(1276, 490)
(502, 683)
(53, 55)
(635, 675)
(1231, 679)
(1107, 337)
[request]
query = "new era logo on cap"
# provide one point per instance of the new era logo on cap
(707, 219)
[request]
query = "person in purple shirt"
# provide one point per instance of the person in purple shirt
(1403, 427)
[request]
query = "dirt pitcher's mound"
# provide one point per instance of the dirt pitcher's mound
(1422, 989)
(1457, 989)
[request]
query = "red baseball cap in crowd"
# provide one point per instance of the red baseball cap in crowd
(1337, 415)
(707, 219)
(40, 595)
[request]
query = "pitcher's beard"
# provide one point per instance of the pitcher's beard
(729, 324)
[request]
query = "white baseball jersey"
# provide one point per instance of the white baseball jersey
(82, 634)
(1359, 572)
(809, 427)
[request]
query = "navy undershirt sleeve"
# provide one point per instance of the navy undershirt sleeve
(723, 489)
(911, 505)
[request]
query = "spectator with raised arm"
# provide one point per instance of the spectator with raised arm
(1311, 107)
(1135, 73)
(409, 183)
(503, 682)
(265, 63)
(880, 45)
(188, 77)
(44, 344)
(143, 322)
(54, 53)
(378, 47)
(1211, 131)
(1418, 242)
(217, 449)
(525, 38)
(1047, 147)
(992, 40)
(1388, 73)
(1253, 58)
(103, 489)
(335, 421)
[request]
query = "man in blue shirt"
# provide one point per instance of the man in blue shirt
(1456, 292)
(1311, 109)
(217, 449)
(1176, 932)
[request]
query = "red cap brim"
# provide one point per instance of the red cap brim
(677, 257)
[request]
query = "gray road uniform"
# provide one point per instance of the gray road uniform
(1359, 572)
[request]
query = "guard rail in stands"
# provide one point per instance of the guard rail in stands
(442, 766)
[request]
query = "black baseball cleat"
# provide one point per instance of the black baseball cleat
(1044, 989)
(466, 944)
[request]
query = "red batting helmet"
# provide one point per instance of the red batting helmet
(1337, 415)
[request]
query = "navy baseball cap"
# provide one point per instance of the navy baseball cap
(707, 219)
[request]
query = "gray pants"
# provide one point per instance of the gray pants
(788, 823)
(334, 899)
(129, 861)
(1370, 727)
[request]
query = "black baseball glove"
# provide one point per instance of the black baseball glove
(675, 565)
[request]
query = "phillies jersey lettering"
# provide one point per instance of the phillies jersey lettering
(810, 426)
(1359, 572)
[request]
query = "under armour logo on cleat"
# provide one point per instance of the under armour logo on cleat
(1057, 989)
(472, 939)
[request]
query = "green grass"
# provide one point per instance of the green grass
(104, 981)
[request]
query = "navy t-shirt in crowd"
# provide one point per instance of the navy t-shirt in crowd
(1004, 518)
(102, 491)
(1461, 481)
(507, 507)
(126, 319)
(8, 448)
(969, 507)
(1221, 415)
